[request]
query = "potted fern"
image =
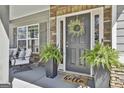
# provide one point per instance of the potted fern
(51, 55)
(101, 58)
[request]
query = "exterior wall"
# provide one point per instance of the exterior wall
(4, 45)
(4, 15)
(66, 9)
(37, 18)
(120, 28)
(117, 74)
(18, 11)
(117, 77)
(57, 10)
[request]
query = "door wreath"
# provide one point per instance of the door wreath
(76, 28)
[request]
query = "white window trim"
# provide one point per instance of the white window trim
(27, 36)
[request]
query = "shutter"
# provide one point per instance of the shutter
(43, 35)
(14, 37)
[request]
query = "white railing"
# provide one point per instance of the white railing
(4, 55)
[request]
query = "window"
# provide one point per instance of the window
(96, 28)
(33, 38)
(33, 31)
(28, 37)
(22, 33)
(21, 37)
(61, 38)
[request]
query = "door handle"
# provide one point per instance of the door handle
(102, 40)
(66, 44)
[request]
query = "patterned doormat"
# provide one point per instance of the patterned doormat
(77, 79)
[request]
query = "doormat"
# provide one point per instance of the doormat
(76, 79)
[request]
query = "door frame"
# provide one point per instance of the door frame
(62, 18)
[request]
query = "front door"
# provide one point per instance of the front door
(80, 31)
(77, 42)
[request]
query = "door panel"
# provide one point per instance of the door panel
(76, 45)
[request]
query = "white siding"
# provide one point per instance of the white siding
(120, 47)
(120, 32)
(120, 40)
(120, 24)
(121, 17)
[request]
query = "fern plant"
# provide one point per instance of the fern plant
(50, 51)
(102, 55)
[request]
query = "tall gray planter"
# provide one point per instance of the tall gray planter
(101, 78)
(51, 68)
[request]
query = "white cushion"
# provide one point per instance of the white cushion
(19, 62)
(22, 55)
(28, 53)
(15, 52)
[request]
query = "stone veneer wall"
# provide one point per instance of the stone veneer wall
(57, 10)
(117, 77)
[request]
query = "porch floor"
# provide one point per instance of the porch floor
(37, 76)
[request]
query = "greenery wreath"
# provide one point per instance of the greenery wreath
(75, 28)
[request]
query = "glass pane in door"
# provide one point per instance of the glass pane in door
(96, 28)
(61, 38)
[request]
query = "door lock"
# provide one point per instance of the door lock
(66, 44)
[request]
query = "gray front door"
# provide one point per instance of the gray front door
(75, 45)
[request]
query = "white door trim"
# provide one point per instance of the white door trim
(101, 28)
(62, 18)
(114, 26)
(61, 66)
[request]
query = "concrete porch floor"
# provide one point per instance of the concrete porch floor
(37, 77)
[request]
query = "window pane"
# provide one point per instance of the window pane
(61, 38)
(21, 44)
(33, 44)
(22, 33)
(33, 31)
(96, 28)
